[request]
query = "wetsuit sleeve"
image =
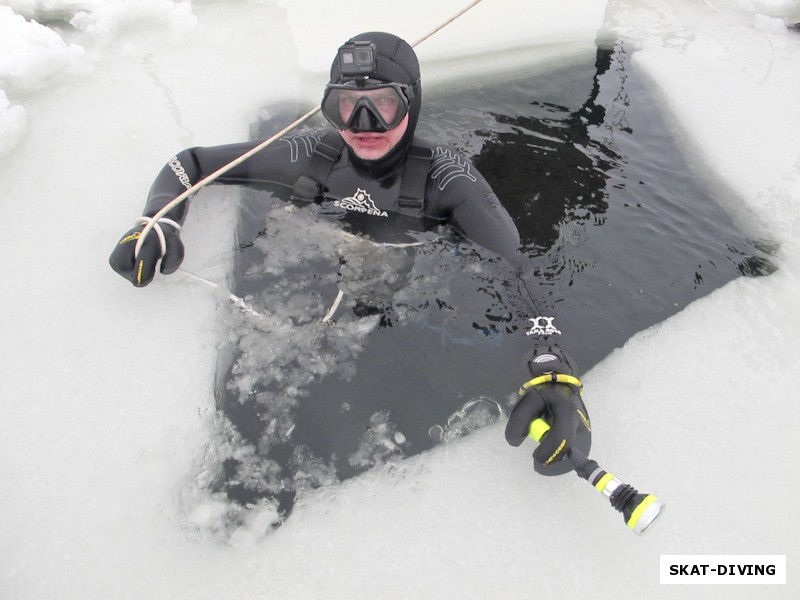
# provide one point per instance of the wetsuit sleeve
(278, 164)
(459, 193)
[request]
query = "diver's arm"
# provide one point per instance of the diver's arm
(275, 164)
(137, 261)
(552, 391)
(458, 192)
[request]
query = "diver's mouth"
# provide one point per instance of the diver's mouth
(369, 139)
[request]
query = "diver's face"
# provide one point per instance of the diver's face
(373, 145)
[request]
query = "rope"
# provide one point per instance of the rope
(445, 24)
(155, 225)
(333, 307)
(712, 6)
(237, 300)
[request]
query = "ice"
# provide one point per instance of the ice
(12, 124)
(29, 55)
(107, 391)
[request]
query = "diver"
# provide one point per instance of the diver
(371, 167)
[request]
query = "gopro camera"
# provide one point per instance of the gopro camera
(357, 58)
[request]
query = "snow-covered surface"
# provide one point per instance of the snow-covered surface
(107, 391)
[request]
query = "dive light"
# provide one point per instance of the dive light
(640, 511)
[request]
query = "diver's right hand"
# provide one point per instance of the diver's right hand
(163, 243)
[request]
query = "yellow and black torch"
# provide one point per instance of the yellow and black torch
(640, 511)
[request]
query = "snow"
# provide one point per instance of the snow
(107, 391)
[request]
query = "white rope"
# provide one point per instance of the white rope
(237, 300)
(155, 225)
(333, 307)
(224, 169)
(241, 303)
(447, 22)
(712, 6)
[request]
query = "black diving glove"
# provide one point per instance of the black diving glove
(553, 394)
(163, 242)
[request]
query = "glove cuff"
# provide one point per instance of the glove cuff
(551, 359)
(551, 378)
(550, 365)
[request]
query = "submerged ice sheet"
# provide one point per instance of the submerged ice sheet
(293, 384)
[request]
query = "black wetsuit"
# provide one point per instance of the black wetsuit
(455, 192)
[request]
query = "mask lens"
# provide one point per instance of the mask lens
(343, 106)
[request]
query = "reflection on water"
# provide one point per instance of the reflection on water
(618, 237)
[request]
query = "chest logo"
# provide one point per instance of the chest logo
(361, 202)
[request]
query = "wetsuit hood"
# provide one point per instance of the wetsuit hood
(396, 62)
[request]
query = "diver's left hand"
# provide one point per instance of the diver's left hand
(561, 406)
(553, 395)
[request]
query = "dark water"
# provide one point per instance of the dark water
(617, 231)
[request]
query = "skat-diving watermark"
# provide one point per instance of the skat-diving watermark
(543, 326)
(361, 202)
